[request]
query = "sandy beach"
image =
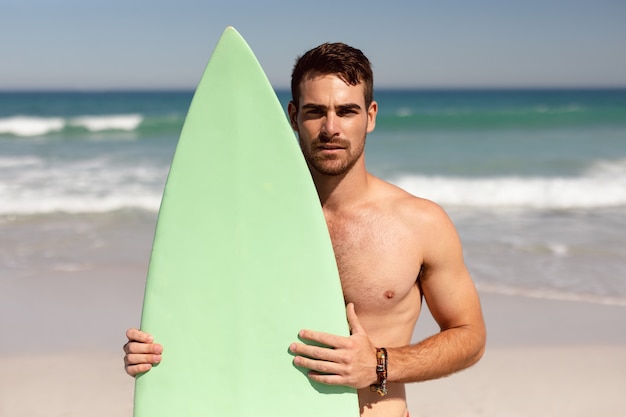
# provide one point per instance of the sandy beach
(61, 353)
(509, 381)
(543, 358)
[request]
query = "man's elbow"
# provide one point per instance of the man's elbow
(478, 346)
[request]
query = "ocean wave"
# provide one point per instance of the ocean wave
(140, 190)
(31, 185)
(125, 122)
(548, 294)
(78, 204)
(21, 162)
(82, 195)
(32, 126)
(586, 192)
(607, 169)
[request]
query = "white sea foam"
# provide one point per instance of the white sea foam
(96, 185)
(40, 203)
(404, 112)
(544, 293)
(30, 185)
(126, 122)
(584, 192)
(607, 169)
(19, 162)
(81, 204)
(572, 108)
(30, 126)
(89, 189)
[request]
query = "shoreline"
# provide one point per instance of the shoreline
(521, 321)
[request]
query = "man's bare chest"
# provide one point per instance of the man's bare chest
(378, 262)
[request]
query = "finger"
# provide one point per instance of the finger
(336, 379)
(327, 379)
(135, 364)
(134, 370)
(138, 359)
(353, 320)
(136, 335)
(326, 339)
(135, 347)
(317, 366)
(316, 352)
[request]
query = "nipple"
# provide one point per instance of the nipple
(389, 294)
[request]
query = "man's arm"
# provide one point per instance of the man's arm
(453, 302)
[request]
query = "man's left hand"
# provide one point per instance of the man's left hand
(349, 361)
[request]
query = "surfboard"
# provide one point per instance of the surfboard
(241, 260)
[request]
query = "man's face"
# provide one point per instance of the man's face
(332, 121)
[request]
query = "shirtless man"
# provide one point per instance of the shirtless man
(392, 248)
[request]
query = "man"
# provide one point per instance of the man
(392, 250)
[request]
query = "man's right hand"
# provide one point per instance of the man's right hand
(141, 352)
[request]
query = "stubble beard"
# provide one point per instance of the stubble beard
(333, 165)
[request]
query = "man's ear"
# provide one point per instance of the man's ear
(372, 111)
(292, 110)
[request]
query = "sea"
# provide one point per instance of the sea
(534, 180)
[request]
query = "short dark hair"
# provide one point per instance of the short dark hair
(348, 63)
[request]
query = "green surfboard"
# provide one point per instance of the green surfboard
(241, 259)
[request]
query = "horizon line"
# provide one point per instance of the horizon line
(287, 89)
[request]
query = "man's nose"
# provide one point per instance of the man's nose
(330, 127)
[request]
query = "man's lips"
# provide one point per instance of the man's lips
(330, 151)
(330, 146)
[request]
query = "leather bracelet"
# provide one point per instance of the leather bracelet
(381, 372)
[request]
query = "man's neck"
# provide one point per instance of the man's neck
(341, 191)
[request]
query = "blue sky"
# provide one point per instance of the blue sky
(118, 44)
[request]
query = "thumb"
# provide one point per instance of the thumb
(353, 320)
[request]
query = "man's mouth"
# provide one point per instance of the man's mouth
(330, 146)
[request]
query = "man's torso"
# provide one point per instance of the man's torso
(379, 256)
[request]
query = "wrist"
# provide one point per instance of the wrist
(382, 358)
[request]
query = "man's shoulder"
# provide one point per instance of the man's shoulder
(408, 205)
(426, 220)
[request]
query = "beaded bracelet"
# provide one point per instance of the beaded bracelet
(381, 372)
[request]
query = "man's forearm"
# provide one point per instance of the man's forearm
(440, 355)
